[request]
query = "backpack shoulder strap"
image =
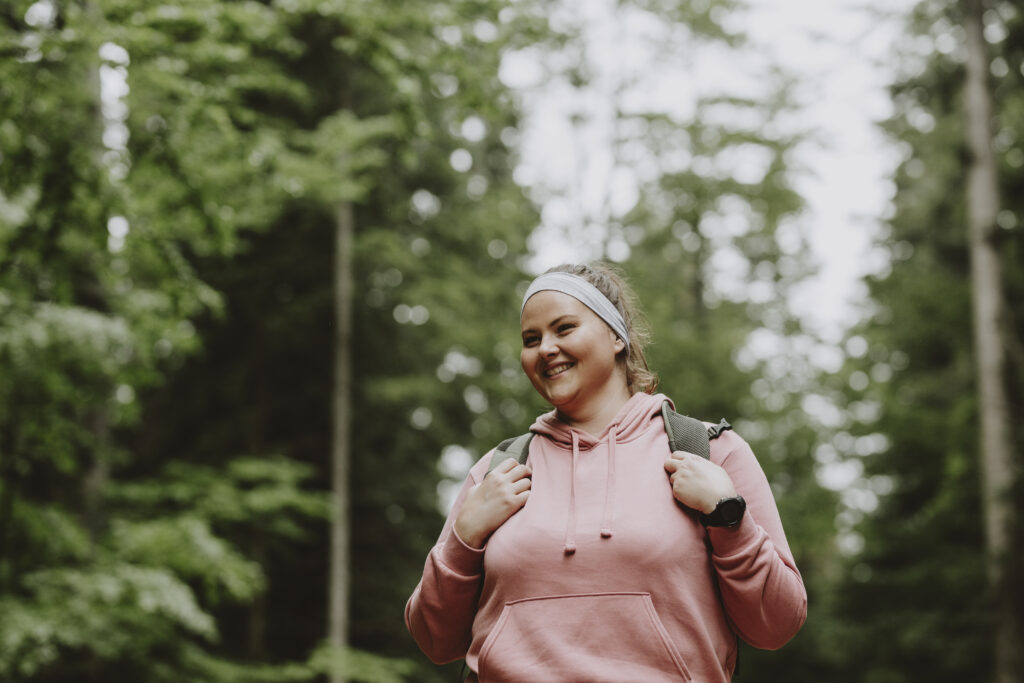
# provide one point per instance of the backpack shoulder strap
(688, 434)
(517, 447)
(693, 436)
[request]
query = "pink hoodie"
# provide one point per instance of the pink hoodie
(602, 575)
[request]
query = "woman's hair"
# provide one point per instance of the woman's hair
(610, 282)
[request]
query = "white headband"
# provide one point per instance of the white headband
(586, 293)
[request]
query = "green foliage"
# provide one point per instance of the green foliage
(361, 667)
(265, 493)
(153, 577)
(114, 612)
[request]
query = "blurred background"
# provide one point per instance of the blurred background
(260, 268)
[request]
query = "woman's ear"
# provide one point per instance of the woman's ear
(619, 345)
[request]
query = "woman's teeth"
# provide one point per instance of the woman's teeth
(557, 370)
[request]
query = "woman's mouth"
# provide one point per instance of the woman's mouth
(556, 370)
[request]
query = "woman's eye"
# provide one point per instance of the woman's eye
(530, 341)
(566, 327)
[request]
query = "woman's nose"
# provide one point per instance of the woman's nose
(548, 346)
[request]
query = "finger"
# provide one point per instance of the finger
(506, 465)
(521, 485)
(684, 455)
(679, 460)
(671, 465)
(520, 472)
(511, 470)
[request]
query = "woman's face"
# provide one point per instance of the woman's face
(569, 353)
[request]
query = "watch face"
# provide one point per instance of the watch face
(731, 511)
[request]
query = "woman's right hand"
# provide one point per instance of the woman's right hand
(488, 504)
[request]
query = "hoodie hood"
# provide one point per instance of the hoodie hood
(633, 419)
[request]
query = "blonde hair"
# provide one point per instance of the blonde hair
(612, 283)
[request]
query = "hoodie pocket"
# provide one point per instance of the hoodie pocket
(594, 637)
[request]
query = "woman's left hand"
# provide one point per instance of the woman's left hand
(697, 482)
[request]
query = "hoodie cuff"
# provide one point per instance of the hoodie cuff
(727, 541)
(461, 558)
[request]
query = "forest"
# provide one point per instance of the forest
(259, 268)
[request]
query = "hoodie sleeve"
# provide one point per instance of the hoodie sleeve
(762, 590)
(440, 612)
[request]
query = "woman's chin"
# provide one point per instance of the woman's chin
(564, 401)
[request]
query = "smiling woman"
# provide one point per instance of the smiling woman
(605, 556)
(609, 286)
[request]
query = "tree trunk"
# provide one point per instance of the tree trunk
(97, 466)
(257, 626)
(338, 580)
(990, 350)
(9, 483)
(96, 478)
(256, 443)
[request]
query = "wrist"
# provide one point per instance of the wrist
(468, 535)
(712, 501)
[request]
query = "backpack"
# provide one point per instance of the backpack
(684, 434)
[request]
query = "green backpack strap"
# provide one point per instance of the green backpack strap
(517, 447)
(688, 434)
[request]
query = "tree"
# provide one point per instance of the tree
(338, 587)
(996, 448)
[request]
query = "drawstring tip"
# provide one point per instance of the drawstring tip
(570, 548)
(606, 533)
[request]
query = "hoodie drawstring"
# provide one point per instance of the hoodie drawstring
(570, 527)
(609, 490)
(608, 515)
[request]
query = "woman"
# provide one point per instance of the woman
(605, 557)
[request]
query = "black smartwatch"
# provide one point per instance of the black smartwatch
(728, 512)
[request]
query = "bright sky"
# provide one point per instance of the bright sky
(843, 51)
(839, 50)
